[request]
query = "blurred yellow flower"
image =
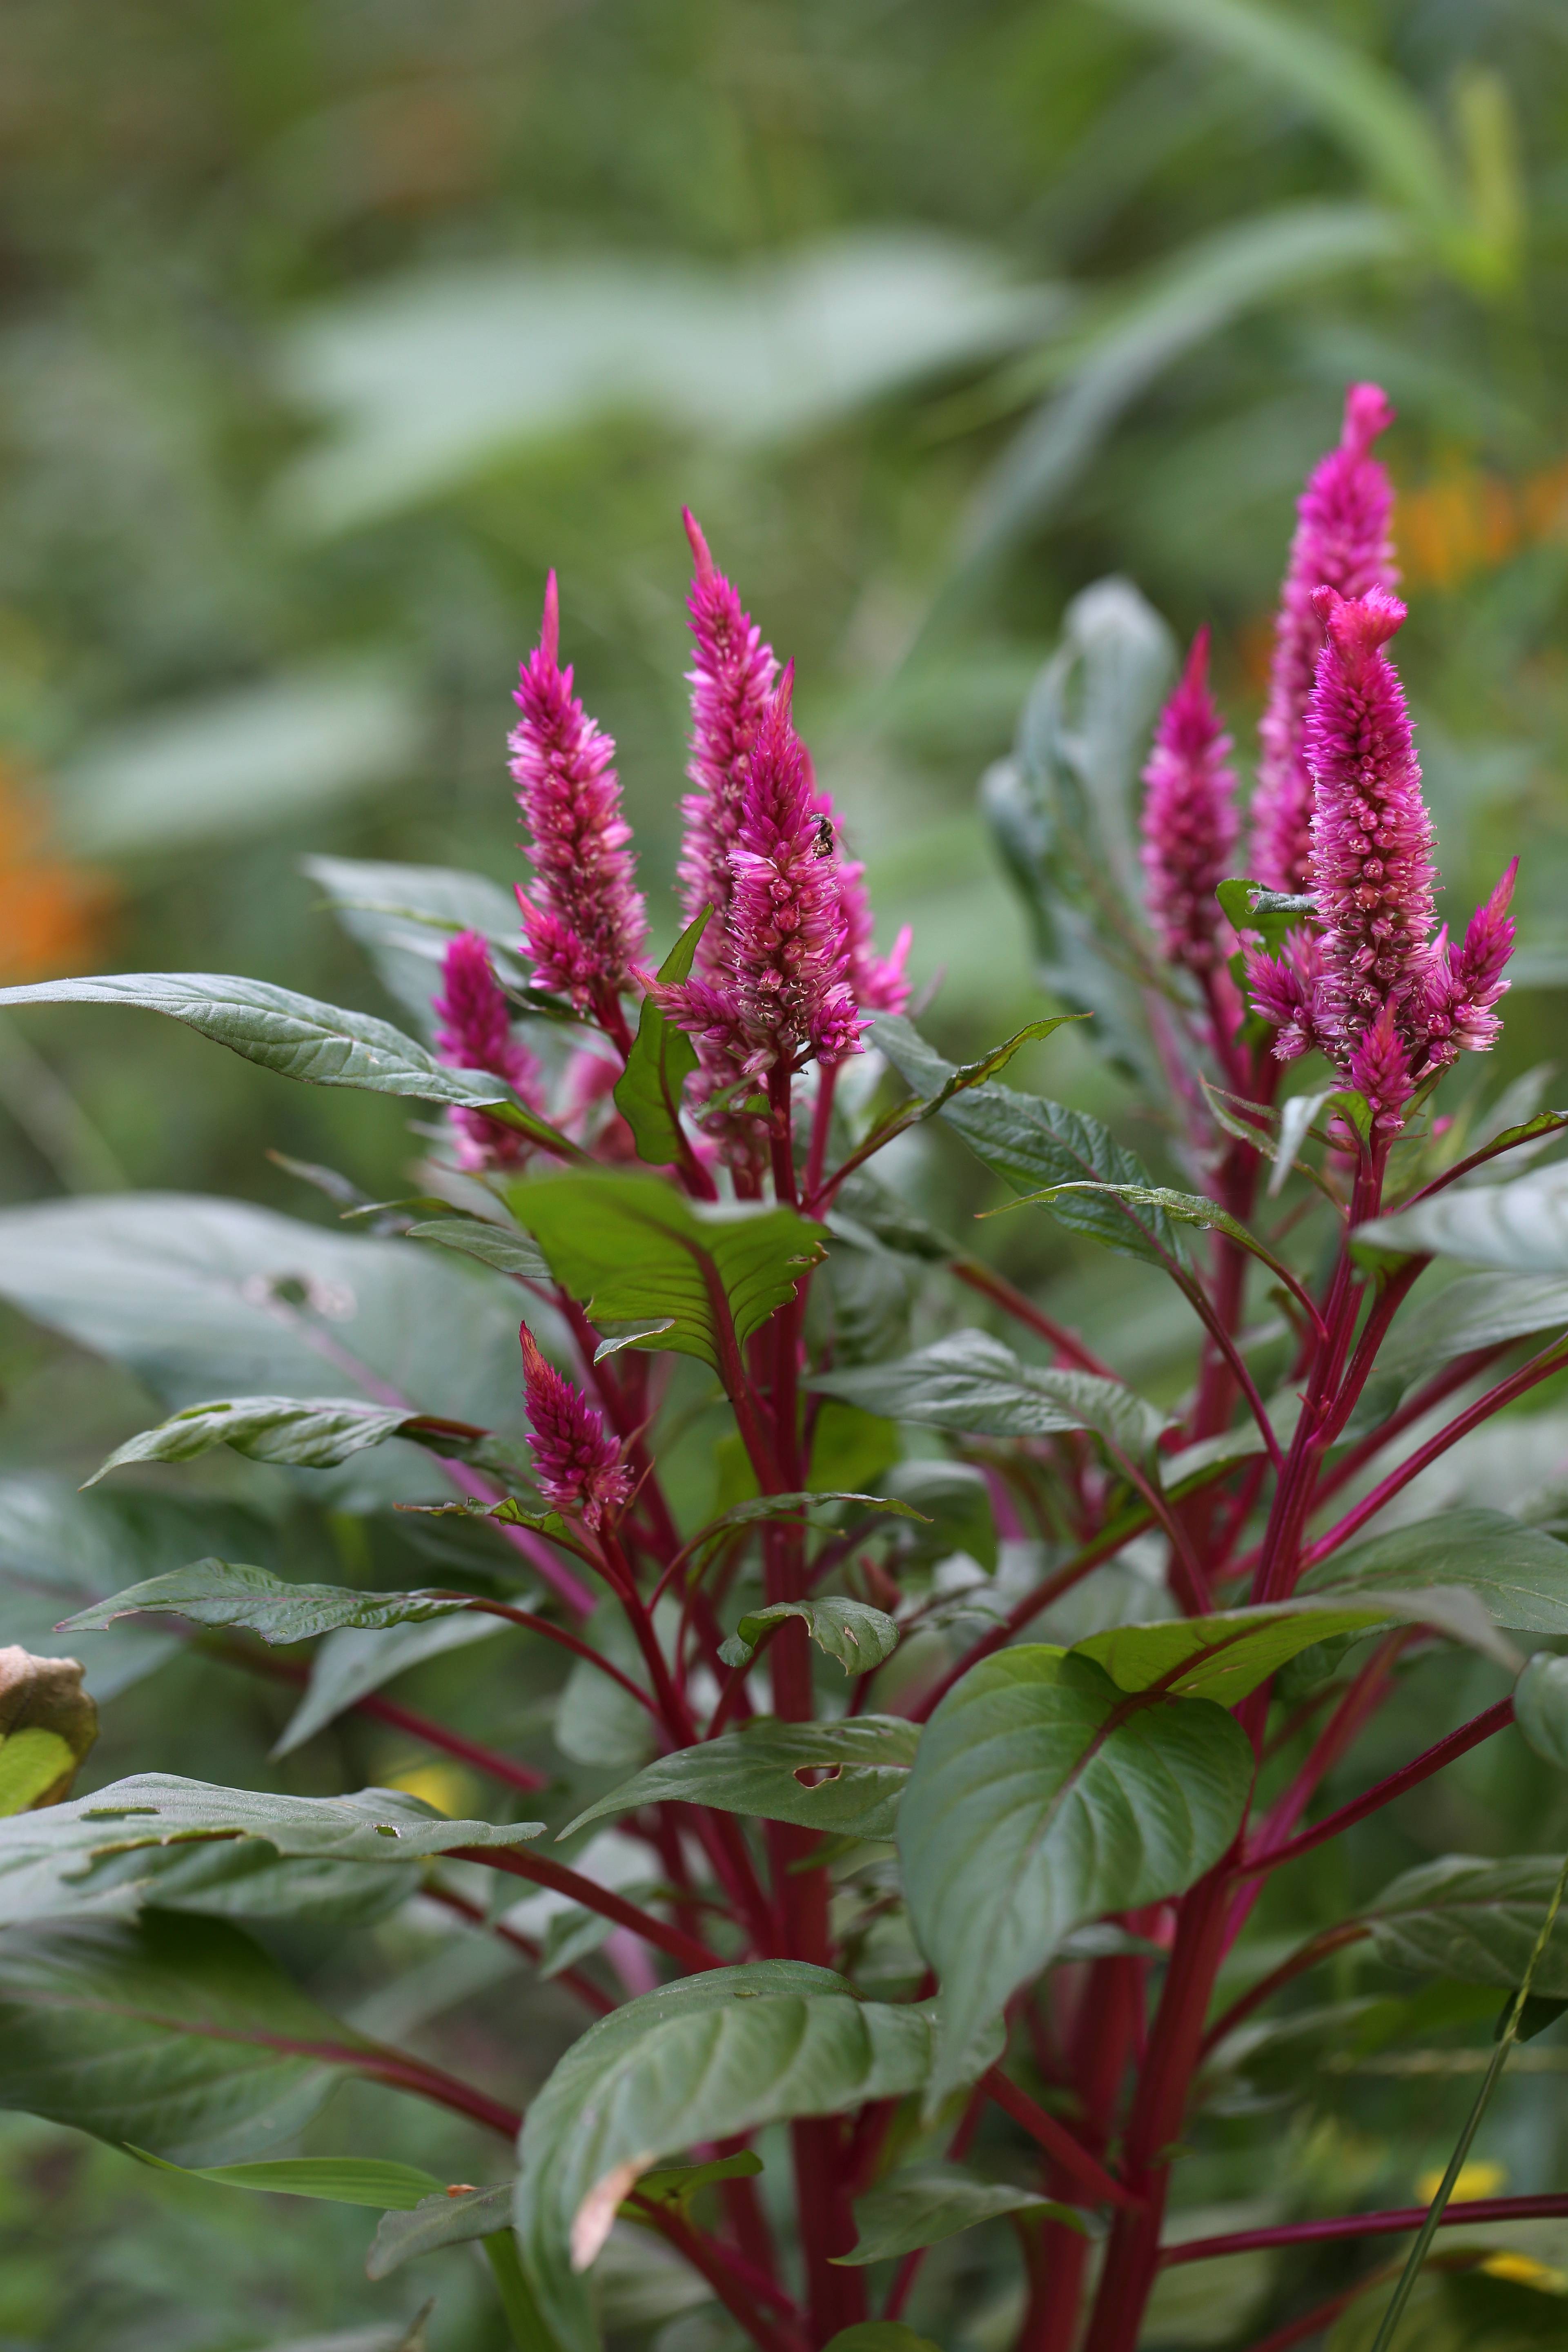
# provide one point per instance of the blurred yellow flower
(448, 1786)
(1475, 2181)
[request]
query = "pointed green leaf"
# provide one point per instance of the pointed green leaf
(859, 1636)
(301, 1038)
(703, 2059)
(1273, 914)
(336, 2179)
(1185, 1208)
(174, 2034)
(507, 1250)
(1519, 1574)
(1479, 1310)
(921, 2204)
(1226, 1656)
(1541, 1706)
(309, 1432)
(647, 1093)
(954, 1501)
(1035, 1144)
(756, 1769)
(631, 1250)
(1043, 1797)
(972, 1382)
(436, 2222)
(1475, 1921)
(222, 1592)
(356, 1660)
(1519, 1228)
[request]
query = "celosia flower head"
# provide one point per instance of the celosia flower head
(582, 916)
(1387, 1004)
(576, 1462)
(731, 684)
(1342, 541)
(475, 1034)
(784, 988)
(1189, 820)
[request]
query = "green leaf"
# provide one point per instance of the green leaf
(754, 1770)
(336, 2179)
(1519, 1228)
(174, 2034)
(859, 1636)
(1479, 1310)
(1541, 1706)
(404, 916)
(49, 1858)
(631, 1250)
(222, 1592)
(1521, 1574)
(1475, 1921)
(796, 1506)
(300, 1038)
(308, 1433)
(923, 2203)
(1042, 1798)
(934, 1080)
(203, 1297)
(1299, 1114)
(357, 1660)
(707, 2058)
(954, 1500)
(647, 1092)
(1273, 914)
(436, 2222)
(1034, 1145)
(48, 1723)
(678, 2184)
(1185, 1208)
(972, 1382)
(501, 1246)
(1226, 1655)
(1470, 2312)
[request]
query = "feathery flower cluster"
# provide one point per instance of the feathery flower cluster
(1190, 820)
(1342, 541)
(583, 918)
(1388, 1004)
(783, 985)
(731, 686)
(475, 1034)
(576, 1461)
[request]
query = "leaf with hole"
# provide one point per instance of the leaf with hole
(1043, 1797)
(859, 1636)
(758, 1768)
(704, 1275)
(707, 2058)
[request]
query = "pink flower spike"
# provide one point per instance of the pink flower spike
(1190, 821)
(475, 1034)
(1371, 868)
(1283, 991)
(1474, 980)
(1380, 1069)
(577, 1462)
(1342, 541)
(730, 688)
(583, 918)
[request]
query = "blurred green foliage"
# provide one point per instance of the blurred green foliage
(326, 327)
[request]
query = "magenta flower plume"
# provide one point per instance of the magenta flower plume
(1190, 820)
(729, 689)
(576, 1461)
(475, 1034)
(783, 987)
(1342, 541)
(583, 918)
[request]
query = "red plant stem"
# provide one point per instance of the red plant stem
(1020, 1614)
(1001, 1292)
(557, 1633)
(432, 2083)
(1354, 1457)
(821, 1126)
(504, 1768)
(1057, 2141)
(1410, 1776)
(543, 1872)
(737, 2286)
(1393, 2225)
(1305, 1956)
(1540, 1367)
(1158, 2105)
(530, 1949)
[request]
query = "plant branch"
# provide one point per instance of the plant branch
(1306, 1956)
(1394, 2224)
(1002, 1293)
(1057, 2140)
(543, 1872)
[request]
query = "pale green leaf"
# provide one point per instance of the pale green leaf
(1480, 1310)
(436, 2222)
(1475, 1921)
(859, 1636)
(336, 2179)
(502, 1247)
(356, 1660)
(224, 1593)
(649, 1090)
(1517, 1572)
(307, 1433)
(1541, 1706)
(922, 2203)
(1519, 1228)
(972, 1382)
(1224, 1656)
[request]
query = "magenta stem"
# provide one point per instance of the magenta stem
(1392, 2224)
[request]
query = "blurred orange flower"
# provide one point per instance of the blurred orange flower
(52, 912)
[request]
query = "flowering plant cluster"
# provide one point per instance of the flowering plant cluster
(964, 1714)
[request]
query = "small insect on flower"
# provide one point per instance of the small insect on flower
(824, 836)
